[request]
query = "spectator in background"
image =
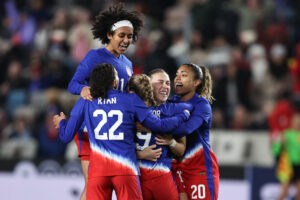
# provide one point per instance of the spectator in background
(232, 86)
(279, 68)
(262, 81)
(80, 37)
(279, 120)
(294, 68)
(18, 142)
(50, 146)
(13, 88)
(197, 53)
(159, 57)
(291, 142)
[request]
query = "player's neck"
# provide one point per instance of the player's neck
(187, 96)
(112, 51)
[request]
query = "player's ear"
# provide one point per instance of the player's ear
(116, 84)
(109, 36)
(197, 83)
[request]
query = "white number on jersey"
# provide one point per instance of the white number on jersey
(113, 128)
(122, 84)
(201, 191)
(146, 137)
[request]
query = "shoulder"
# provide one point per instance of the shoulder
(79, 105)
(203, 103)
(90, 57)
(125, 59)
(93, 52)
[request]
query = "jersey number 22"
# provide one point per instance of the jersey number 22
(111, 132)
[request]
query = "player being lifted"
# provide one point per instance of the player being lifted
(117, 28)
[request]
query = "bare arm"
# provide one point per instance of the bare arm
(177, 146)
(149, 153)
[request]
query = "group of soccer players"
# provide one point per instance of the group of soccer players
(138, 143)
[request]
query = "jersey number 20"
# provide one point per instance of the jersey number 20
(111, 132)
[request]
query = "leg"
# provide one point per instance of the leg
(85, 167)
(183, 196)
(164, 188)
(127, 187)
(146, 190)
(99, 188)
(180, 184)
(202, 188)
(83, 146)
(284, 190)
(298, 190)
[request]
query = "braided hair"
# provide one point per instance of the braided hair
(141, 85)
(105, 19)
(102, 79)
(202, 74)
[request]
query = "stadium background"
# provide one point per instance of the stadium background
(250, 46)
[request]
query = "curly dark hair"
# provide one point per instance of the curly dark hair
(141, 85)
(105, 19)
(102, 79)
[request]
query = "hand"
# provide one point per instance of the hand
(141, 128)
(86, 93)
(150, 153)
(161, 140)
(57, 119)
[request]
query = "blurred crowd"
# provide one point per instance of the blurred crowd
(252, 48)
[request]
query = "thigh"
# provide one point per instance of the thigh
(83, 145)
(202, 188)
(127, 187)
(177, 173)
(99, 188)
(164, 188)
(147, 190)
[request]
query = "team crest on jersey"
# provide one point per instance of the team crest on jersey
(128, 71)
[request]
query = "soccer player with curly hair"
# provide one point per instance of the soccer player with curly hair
(117, 28)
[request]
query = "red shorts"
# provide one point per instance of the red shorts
(196, 188)
(178, 178)
(199, 188)
(83, 146)
(160, 188)
(126, 188)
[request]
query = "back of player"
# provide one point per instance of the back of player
(110, 121)
(117, 28)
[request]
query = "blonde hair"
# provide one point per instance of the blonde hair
(205, 88)
(141, 85)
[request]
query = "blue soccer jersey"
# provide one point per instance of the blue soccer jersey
(150, 169)
(199, 161)
(111, 127)
(94, 58)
